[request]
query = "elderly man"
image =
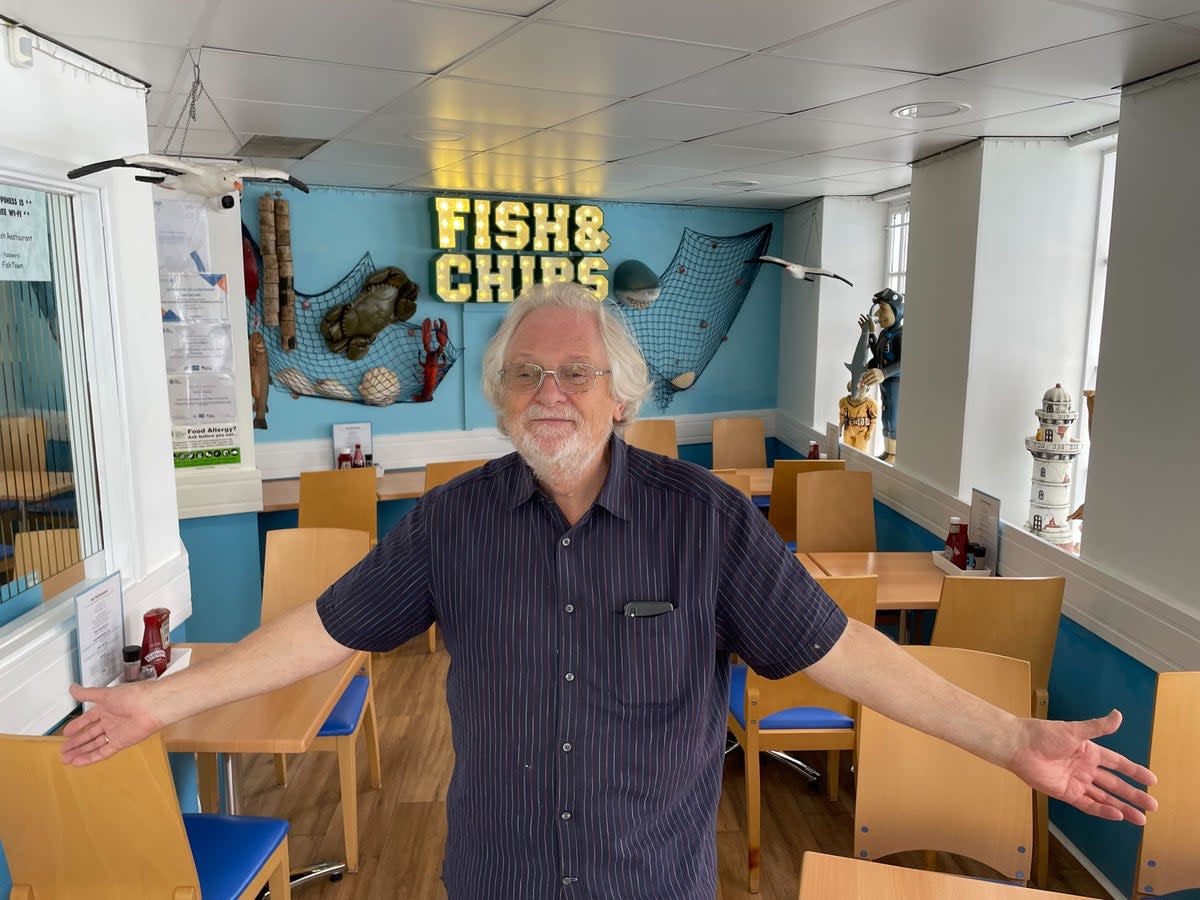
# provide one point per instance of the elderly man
(590, 595)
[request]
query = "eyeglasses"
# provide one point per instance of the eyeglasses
(571, 378)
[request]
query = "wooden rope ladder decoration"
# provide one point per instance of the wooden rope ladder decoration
(278, 281)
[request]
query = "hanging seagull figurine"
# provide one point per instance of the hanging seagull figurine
(798, 271)
(210, 180)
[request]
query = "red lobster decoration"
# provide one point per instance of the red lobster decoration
(432, 365)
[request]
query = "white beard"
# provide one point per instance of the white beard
(563, 460)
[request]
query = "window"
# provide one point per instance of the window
(897, 246)
(49, 509)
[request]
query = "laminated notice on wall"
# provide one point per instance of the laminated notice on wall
(198, 348)
(181, 225)
(193, 297)
(215, 444)
(24, 235)
(202, 398)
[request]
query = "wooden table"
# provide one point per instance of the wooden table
(406, 484)
(760, 481)
(906, 580)
(825, 877)
(33, 486)
(811, 564)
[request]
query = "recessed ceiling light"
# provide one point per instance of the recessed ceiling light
(930, 109)
(437, 137)
(735, 184)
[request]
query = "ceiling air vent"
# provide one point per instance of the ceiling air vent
(274, 147)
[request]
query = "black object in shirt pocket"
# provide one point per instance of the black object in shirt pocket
(653, 658)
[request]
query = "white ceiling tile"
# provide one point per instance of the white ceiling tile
(1153, 9)
(986, 102)
(622, 176)
(713, 181)
(232, 75)
(478, 101)
(478, 182)
(511, 7)
(342, 175)
(824, 165)
(748, 24)
(597, 62)
(1050, 121)
(874, 182)
(576, 145)
(667, 121)
(905, 148)
(383, 33)
(398, 129)
(200, 142)
(1097, 66)
(650, 195)
(156, 63)
(775, 84)
(804, 134)
(251, 117)
(936, 36)
(355, 153)
(746, 200)
(1190, 21)
(532, 168)
(570, 186)
(706, 155)
(149, 21)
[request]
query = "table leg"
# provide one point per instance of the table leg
(903, 632)
(233, 803)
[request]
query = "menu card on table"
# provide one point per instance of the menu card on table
(98, 611)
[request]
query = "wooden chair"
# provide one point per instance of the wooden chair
(1167, 858)
(782, 514)
(794, 713)
(300, 564)
(1015, 617)
(655, 435)
(23, 443)
(340, 498)
(113, 830)
(835, 512)
(438, 473)
(54, 554)
(740, 480)
(915, 792)
(739, 443)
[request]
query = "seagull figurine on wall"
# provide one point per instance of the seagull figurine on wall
(217, 181)
(797, 271)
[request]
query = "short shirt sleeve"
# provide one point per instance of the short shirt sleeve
(386, 599)
(770, 611)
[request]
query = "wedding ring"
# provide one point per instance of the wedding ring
(106, 739)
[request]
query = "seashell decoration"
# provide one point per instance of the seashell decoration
(380, 387)
(294, 380)
(333, 389)
(684, 381)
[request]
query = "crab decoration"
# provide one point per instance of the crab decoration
(387, 296)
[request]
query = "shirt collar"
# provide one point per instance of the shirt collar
(613, 494)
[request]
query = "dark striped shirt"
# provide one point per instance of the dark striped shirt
(588, 743)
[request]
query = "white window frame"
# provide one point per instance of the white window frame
(895, 259)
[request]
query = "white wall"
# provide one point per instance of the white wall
(61, 113)
(1033, 266)
(937, 316)
(798, 313)
(1143, 489)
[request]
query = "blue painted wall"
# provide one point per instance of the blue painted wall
(332, 228)
(225, 570)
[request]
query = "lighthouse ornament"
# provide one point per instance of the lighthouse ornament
(1054, 455)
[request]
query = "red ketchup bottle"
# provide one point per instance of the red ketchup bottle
(814, 450)
(156, 640)
(359, 461)
(956, 542)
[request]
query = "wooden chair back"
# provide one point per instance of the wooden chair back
(655, 435)
(782, 514)
(911, 787)
(340, 498)
(108, 831)
(300, 563)
(1015, 617)
(855, 594)
(740, 480)
(1167, 859)
(739, 443)
(437, 473)
(835, 512)
(54, 554)
(23, 443)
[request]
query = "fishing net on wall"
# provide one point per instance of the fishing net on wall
(702, 292)
(391, 368)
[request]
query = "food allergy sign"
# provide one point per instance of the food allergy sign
(24, 238)
(493, 249)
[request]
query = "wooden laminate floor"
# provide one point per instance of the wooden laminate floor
(402, 826)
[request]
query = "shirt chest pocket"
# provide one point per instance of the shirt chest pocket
(653, 659)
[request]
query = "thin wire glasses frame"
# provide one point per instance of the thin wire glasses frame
(571, 378)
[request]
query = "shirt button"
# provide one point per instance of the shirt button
(566, 542)
(567, 747)
(566, 816)
(570, 607)
(570, 676)
(567, 879)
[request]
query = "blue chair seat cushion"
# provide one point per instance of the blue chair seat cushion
(762, 502)
(230, 850)
(344, 718)
(797, 717)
